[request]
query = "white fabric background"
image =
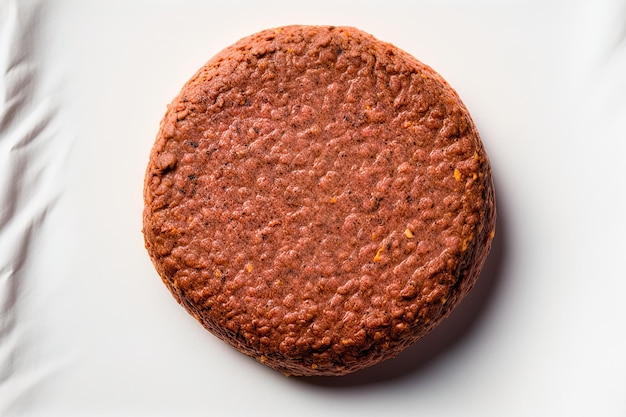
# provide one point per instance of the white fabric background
(87, 328)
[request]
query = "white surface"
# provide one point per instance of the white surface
(87, 328)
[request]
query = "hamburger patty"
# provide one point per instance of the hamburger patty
(318, 199)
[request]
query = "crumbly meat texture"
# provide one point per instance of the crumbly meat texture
(318, 199)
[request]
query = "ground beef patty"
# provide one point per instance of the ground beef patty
(318, 199)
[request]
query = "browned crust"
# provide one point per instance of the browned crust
(264, 233)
